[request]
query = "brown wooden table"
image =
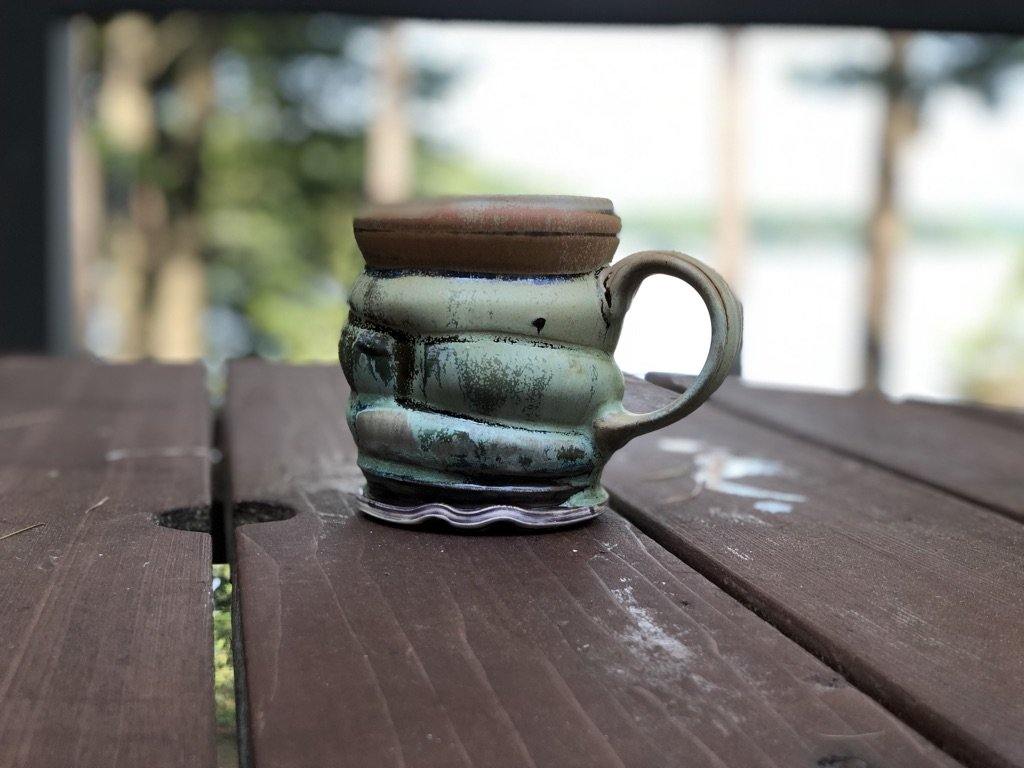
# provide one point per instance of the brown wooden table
(786, 579)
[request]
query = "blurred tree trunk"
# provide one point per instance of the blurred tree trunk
(86, 191)
(389, 141)
(884, 225)
(731, 222)
(127, 254)
(175, 331)
(127, 114)
(159, 278)
(179, 298)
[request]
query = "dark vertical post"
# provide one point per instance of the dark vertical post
(33, 318)
(23, 201)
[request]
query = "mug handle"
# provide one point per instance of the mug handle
(621, 280)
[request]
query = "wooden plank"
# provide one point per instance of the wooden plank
(975, 459)
(374, 645)
(1009, 418)
(105, 637)
(917, 595)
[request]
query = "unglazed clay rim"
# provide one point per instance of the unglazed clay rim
(482, 235)
(494, 216)
(461, 517)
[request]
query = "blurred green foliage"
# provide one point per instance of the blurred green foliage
(223, 666)
(280, 183)
(282, 175)
(272, 168)
(991, 360)
(224, 678)
(979, 64)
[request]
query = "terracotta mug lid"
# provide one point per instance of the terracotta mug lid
(502, 234)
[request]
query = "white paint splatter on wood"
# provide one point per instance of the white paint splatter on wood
(718, 469)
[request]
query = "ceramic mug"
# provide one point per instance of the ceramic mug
(478, 350)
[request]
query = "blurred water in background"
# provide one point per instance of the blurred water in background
(801, 308)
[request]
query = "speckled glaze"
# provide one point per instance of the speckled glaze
(497, 392)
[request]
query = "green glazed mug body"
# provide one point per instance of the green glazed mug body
(485, 389)
(480, 389)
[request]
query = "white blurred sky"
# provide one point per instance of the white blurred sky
(631, 114)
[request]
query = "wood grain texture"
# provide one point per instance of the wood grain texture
(917, 595)
(1008, 418)
(105, 638)
(372, 645)
(974, 458)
